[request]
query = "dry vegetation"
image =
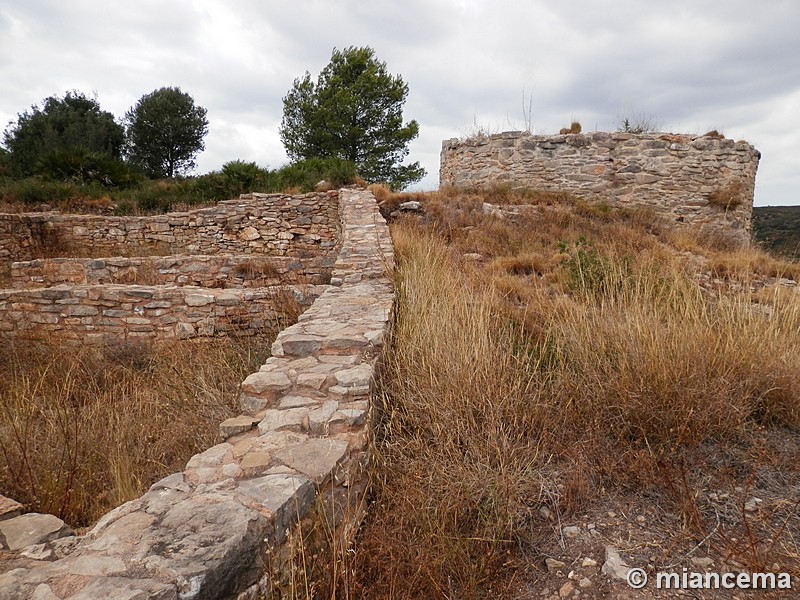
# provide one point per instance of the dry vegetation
(728, 196)
(85, 429)
(547, 366)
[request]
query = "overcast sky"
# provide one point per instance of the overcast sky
(687, 66)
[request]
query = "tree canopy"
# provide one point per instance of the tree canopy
(61, 125)
(165, 132)
(353, 112)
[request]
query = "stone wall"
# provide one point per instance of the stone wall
(301, 443)
(283, 248)
(274, 224)
(215, 271)
(117, 312)
(687, 179)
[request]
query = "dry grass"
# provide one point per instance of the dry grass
(574, 127)
(578, 356)
(728, 196)
(86, 429)
(144, 273)
(256, 268)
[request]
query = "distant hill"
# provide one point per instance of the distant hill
(777, 228)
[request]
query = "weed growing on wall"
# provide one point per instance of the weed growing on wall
(728, 196)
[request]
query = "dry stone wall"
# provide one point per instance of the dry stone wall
(675, 175)
(118, 312)
(274, 224)
(285, 247)
(301, 443)
(215, 271)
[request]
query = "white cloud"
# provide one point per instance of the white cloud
(729, 65)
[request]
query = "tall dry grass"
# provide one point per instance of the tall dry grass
(85, 429)
(507, 389)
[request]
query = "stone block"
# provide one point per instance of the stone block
(9, 508)
(266, 383)
(316, 458)
(357, 377)
(29, 529)
(287, 497)
(296, 344)
(279, 419)
(236, 425)
(199, 299)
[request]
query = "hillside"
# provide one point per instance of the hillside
(777, 228)
(568, 382)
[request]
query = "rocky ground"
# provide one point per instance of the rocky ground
(720, 519)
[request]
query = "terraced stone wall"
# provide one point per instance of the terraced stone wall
(299, 449)
(274, 224)
(94, 313)
(705, 181)
(215, 271)
(252, 260)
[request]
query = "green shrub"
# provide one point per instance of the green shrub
(80, 166)
(154, 199)
(591, 274)
(33, 190)
(240, 177)
(5, 165)
(305, 174)
(124, 208)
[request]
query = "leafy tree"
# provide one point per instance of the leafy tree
(5, 168)
(354, 112)
(72, 124)
(165, 132)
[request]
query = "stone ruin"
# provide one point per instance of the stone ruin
(199, 273)
(706, 182)
(217, 529)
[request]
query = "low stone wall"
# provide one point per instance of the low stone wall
(215, 271)
(115, 312)
(274, 224)
(301, 442)
(684, 178)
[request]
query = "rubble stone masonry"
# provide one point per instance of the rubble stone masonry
(214, 271)
(218, 529)
(675, 175)
(251, 261)
(273, 224)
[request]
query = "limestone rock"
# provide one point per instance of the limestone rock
(29, 529)
(553, 565)
(37, 552)
(357, 377)
(614, 566)
(289, 418)
(411, 206)
(267, 383)
(236, 425)
(316, 458)
(9, 508)
(185, 331)
(248, 234)
(571, 531)
(284, 495)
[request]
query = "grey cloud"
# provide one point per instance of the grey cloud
(687, 64)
